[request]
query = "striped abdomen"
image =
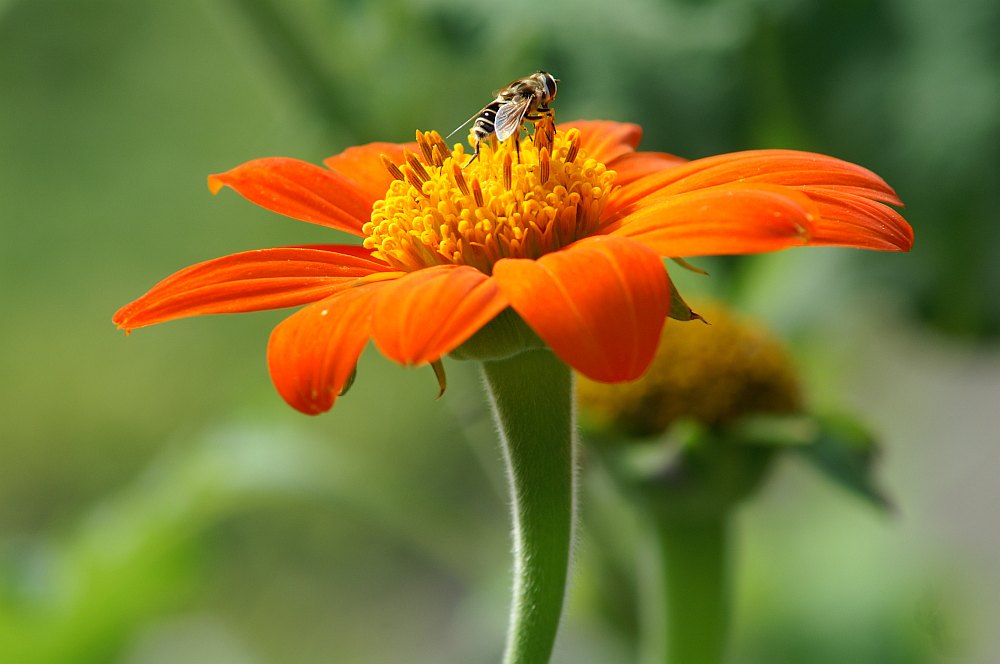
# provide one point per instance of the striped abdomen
(484, 124)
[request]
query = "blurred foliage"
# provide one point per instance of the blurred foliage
(111, 114)
(81, 598)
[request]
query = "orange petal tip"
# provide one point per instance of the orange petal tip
(215, 183)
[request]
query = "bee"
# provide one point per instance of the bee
(526, 99)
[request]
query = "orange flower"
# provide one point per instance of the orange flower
(570, 233)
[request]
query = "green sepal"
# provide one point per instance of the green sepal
(838, 446)
(779, 431)
(699, 469)
(442, 377)
(350, 381)
(679, 309)
(846, 452)
(503, 337)
(697, 473)
(688, 266)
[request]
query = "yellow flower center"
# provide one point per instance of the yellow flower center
(440, 209)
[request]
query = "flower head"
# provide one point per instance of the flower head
(713, 375)
(568, 229)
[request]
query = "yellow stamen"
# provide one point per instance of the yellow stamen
(442, 210)
(478, 191)
(414, 179)
(438, 142)
(418, 168)
(392, 168)
(545, 131)
(425, 146)
(463, 186)
(574, 148)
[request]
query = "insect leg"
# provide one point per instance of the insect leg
(469, 163)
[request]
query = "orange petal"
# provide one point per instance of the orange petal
(851, 220)
(362, 166)
(313, 352)
(781, 167)
(427, 314)
(299, 190)
(605, 140)
(600, 304)
(250, 281)
(739, 219)
(634, 165)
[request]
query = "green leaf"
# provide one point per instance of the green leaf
(846, 452)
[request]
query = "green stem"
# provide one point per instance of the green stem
(686, 610)
(531, 394)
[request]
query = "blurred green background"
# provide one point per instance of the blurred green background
(160, 503)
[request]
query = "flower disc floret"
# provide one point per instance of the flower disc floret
(508, 203)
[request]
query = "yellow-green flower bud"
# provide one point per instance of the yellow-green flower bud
(711, 374)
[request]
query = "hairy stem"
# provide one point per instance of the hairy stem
(531, 394)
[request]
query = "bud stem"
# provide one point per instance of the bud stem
(686, 602)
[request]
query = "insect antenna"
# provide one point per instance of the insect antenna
(474, 116)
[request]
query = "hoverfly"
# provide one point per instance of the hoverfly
(526, 99)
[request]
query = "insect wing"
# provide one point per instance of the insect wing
(510, 117)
